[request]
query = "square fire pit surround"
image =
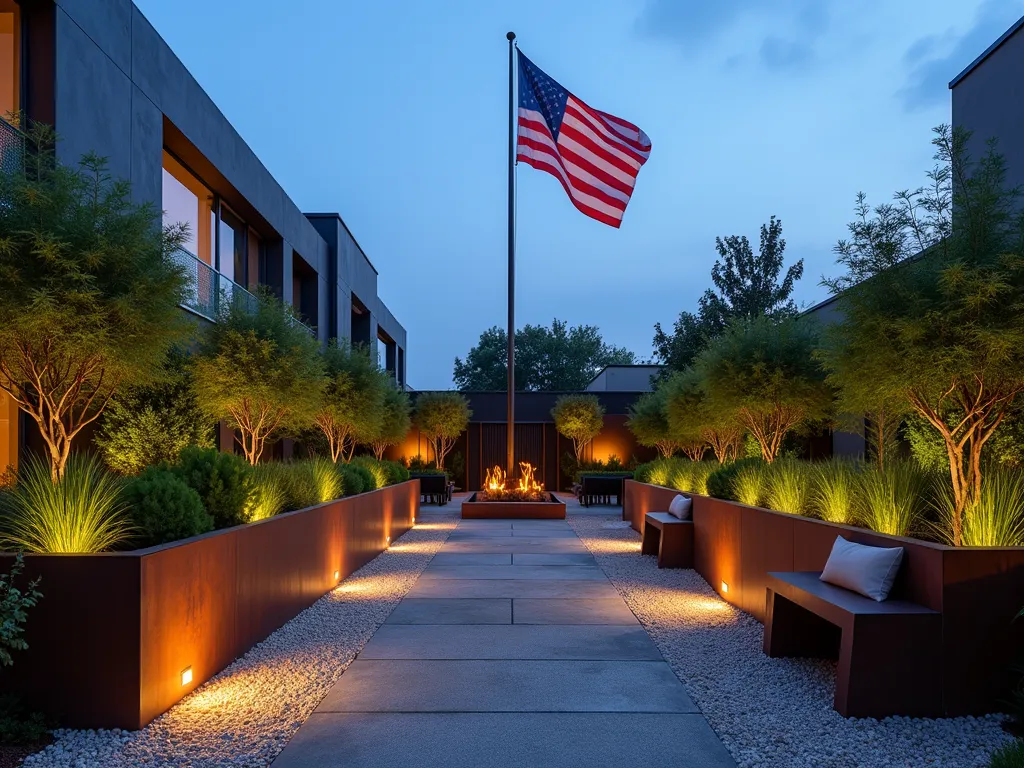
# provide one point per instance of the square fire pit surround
(548, 509)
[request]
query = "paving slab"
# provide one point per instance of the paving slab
(507, 686)
(572, 611)
(551, 572)
(451, 588)
(550, 546)
(505, 740)
(540, 558)
(459, 611)
(519, 641)
(497, 533)
(472, 558)
(541, 533)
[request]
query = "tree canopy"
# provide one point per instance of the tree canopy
(763, 373)
(441, 417)
(694, 422)
(394, 422)
(90, 294)
(261, 371)
(745, 287)
(941, 330)
(578, 418)
(561, 358)
(352, 408)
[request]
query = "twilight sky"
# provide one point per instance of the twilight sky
(394, 114)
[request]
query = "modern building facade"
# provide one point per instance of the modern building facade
(625, 378)
(100, 73)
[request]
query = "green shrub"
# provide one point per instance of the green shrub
(722, 482)
(655, 472)
(79, 513)
(20, 726)
(1008, 756)
(997, 519)
(788, 486)
(836, 486)
(14, 605)
(366, 481)
(223, 481)
(353, 481)
(376, 469)
(891, 500)
(396, 472)
(144, 426)
(164, 508)
(269, 496)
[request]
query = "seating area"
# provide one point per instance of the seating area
(434, 488)
(601, 489)
(888, 650)
(669, 538)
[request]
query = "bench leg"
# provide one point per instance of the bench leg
(675, 549)
(890, 667)
(790, 630)
(650, 544)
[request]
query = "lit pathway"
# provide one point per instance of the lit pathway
(512, 649)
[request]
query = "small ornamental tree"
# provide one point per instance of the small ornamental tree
(261, 371)
(353, 402)
(578, 418)
(648, 422)
(764, 374)
(395, 421)
(147, 425)
(90, 294)
(441, 417)
(932, 308)
(693, 421)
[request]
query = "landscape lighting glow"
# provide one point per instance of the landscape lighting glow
(725, 587)
(186, 675)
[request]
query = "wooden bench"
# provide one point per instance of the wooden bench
(668, 537)
(889, 652)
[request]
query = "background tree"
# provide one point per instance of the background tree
(352, 407)
(441, 417)
(147, 425)
(746, 287)
(648, 421)
(557, 359)
(90, 294)
(261, 371)
(578, 418)
(693, 421)
(944, 329)
(394, 423)
(764, 374)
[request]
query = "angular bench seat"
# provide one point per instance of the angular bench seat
(668, 537)
(889, 652)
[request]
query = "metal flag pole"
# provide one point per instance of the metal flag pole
(511, 253)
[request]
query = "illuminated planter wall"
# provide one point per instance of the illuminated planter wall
(978, 591)
(118, 638)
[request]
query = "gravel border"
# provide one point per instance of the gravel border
(768, 712)
(246, 715)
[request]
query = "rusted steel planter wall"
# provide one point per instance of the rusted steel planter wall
(113, 633)
(978, 591)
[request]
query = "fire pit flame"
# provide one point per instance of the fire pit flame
(496, 484)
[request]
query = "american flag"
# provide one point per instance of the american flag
(595, 155)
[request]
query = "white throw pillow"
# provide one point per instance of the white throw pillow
(680, 507)
(869, 571)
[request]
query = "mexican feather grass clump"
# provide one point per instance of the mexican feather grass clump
(788, 486)
(269, 495)
(892, 499)
(748, 486)
(81, 512)
(996, 519)
(835, 490)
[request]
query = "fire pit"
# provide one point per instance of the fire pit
(526, 499)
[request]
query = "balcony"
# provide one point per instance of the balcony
(12, 148)
(208, 289)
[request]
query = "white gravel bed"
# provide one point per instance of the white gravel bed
(768, 712)
(246, 714)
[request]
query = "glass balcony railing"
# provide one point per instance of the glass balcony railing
(207, 289)
(12, 148)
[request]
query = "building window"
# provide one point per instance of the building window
(186, 200)
(233, 262)
(10, 58)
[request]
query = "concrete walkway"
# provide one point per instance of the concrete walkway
(512, 649)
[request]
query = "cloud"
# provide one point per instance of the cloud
(937, 59)
(793, 27)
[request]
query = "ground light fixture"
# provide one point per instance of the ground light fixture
(725, 588)
(387, 541)
(337, 575)
(186, 676)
